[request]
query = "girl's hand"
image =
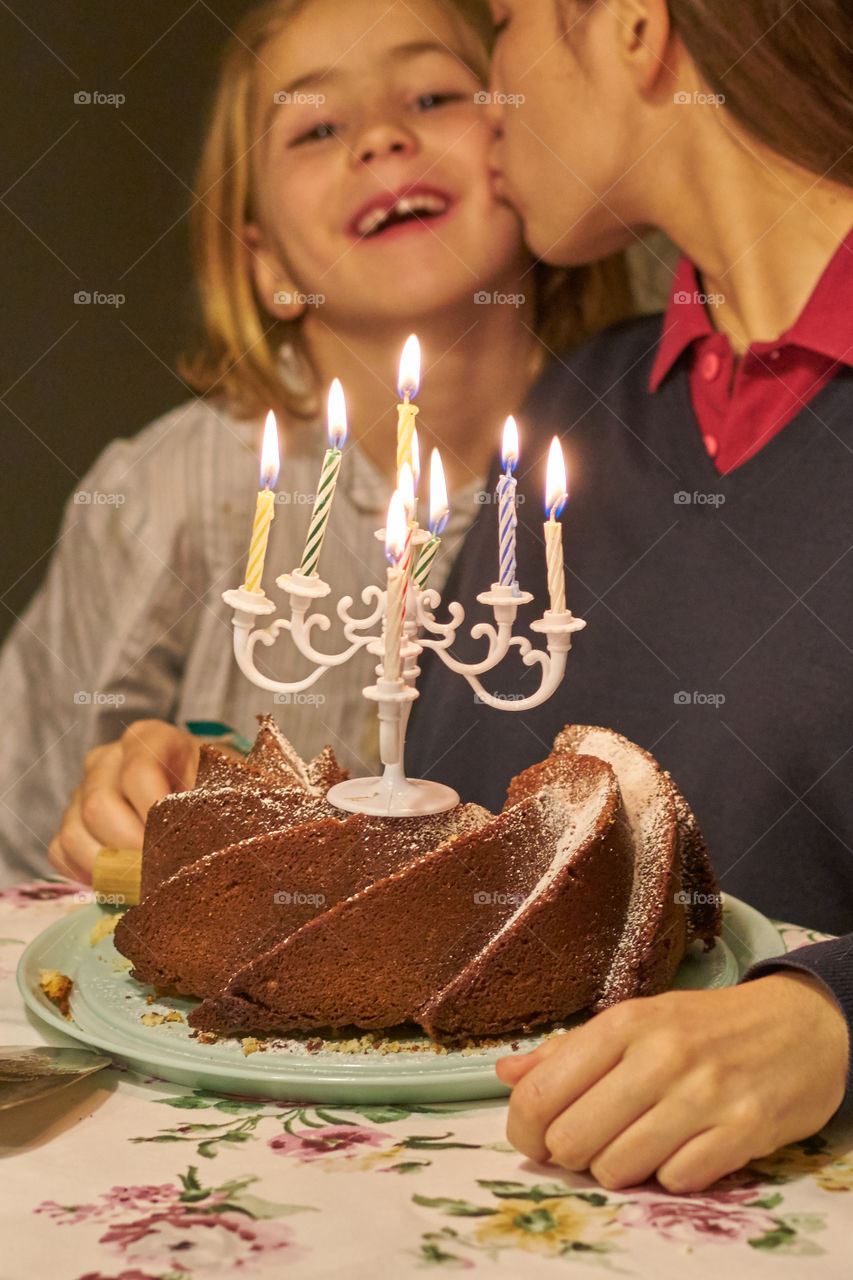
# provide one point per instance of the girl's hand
(688, 1085)
(122, 780)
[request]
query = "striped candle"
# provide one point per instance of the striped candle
(556, 493)
(337, 424)
(439, 513)
(507, 517)
(395, 533)
(264, 508)
(406, 489)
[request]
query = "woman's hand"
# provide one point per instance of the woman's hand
(122, 780)
(688, 1085)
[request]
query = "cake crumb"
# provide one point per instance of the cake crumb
(205, 1037)
(152, 1019)
(174, 1016)
(121, 965)
(57, 987)
(106, 925)
(250, 1045)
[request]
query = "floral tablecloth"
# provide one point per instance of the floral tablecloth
(121, 1177)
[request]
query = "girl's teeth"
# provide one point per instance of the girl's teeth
(414, 204)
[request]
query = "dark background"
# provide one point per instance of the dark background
(92, 197)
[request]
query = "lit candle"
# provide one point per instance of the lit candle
(408, 382)
(395, 541)
(439, 513)
(337, 427)
(265, 507)
(507, 517)
(556, 493)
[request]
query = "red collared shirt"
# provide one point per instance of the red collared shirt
(742, 404)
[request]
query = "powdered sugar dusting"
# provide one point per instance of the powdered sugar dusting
(648, 797)
(569, 825)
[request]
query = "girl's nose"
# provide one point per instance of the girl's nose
(383, 138)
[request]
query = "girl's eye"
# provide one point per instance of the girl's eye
(428, 101)
(317, 134)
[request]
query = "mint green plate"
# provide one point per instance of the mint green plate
(107, 1005)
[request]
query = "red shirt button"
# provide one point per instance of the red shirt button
(709, 366)
(711, 445)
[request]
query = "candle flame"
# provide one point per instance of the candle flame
(415, 461)
(439, 509)
(337, 415)
(395, 530)
(509, 449)
(409, 379)
(270, 464)
(406, 489)
(556, 485)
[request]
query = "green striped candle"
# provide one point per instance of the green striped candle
(337, 423)
(439, 512)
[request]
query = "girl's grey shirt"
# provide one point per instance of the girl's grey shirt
(130, 622)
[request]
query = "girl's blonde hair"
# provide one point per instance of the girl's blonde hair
(236, 356)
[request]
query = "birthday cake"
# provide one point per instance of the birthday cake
(283, 914)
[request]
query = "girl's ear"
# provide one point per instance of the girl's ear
(646, 38)
(277, 292)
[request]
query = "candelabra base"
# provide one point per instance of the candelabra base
(392, 795)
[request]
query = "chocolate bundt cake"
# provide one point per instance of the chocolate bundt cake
(585, 890)
(265, 888)
(235, 799)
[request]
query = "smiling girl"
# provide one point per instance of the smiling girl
(707, 540)
(344, 199)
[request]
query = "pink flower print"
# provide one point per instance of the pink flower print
(23, 895)
(700, 1220)
(182, 1239)
(310, 1144)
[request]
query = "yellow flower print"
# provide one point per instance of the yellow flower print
(547, 1226)
(791, 1162)
(837, 1176)
(358, 1164)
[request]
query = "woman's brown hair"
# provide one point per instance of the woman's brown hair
(785, 72)
(236, 356)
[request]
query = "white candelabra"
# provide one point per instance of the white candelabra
(408, 602)
(392, 793)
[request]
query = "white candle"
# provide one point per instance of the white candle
(556, 493)
(265, 506)
(395, 539)
(439, 514)
(408, 382)
(337, 430)
(507, 517)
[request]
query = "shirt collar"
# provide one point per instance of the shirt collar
(825, 325)
(685, 320)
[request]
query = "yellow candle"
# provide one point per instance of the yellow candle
(556, 493)
(395, 539)
(264, 508)
(407, 384)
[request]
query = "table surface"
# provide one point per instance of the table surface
(122, 1177)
